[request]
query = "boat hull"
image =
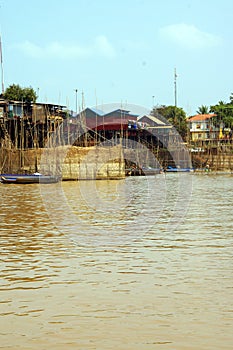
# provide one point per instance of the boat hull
(143, 171)
(178, 170)
(29, 179)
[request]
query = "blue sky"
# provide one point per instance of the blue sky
(121, 51)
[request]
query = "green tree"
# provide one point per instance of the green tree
(203, 110)
(224, 113)
(175, 116)
(15, 92)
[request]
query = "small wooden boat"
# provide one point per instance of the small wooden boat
(144, 171)
(151, 171)
(29, 179)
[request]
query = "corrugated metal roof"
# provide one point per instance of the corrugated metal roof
(154, 119)
(97, 111)
(103, 113)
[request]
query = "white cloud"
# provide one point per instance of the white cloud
(103, 46)
(100, 47)
(189, 36)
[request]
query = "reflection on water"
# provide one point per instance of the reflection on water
(96, 265)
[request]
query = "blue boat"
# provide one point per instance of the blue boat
(171, 169)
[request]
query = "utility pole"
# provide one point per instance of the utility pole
(76, 100)
(175, 76)
(1, 64)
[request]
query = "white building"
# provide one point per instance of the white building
(201, 127)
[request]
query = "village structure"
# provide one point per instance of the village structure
(98, 144)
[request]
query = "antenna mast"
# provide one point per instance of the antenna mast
(175, 76)
(1, 64)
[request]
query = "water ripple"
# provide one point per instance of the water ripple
(126, 289)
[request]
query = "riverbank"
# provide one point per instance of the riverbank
(83, 163)
(69, 162)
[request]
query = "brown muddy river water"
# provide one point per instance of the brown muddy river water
(140, 263)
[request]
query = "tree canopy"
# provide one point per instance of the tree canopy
(15, 92)
(203, 110)
(175, 116)
(224, 113)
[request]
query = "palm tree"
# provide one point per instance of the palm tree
(203, 110)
